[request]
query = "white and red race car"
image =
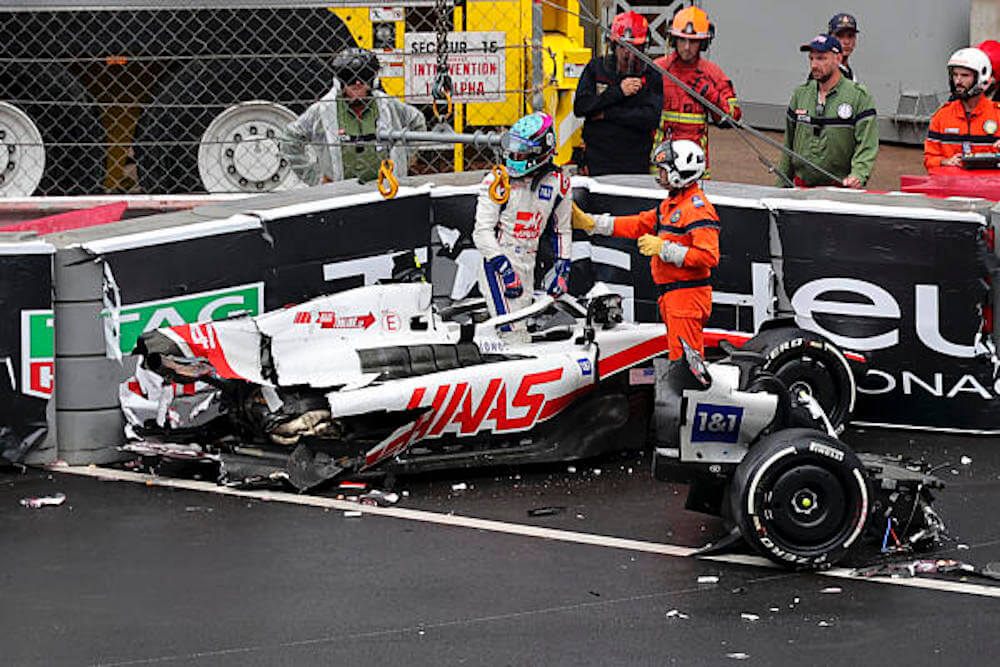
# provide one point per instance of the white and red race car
(377, 378)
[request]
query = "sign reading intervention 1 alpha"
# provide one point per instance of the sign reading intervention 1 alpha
(476, 62)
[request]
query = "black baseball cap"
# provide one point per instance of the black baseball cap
(843, 22)
(823, 43)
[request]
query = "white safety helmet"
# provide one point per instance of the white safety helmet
(975, 60)
(682, 160)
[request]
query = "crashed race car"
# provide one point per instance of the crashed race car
(376, 379)
(756, 447)
(380, 380)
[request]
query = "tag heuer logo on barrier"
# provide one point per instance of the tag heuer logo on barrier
(38, 336)
(37, 353)
(220, 304)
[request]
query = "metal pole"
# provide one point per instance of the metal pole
(477, 138)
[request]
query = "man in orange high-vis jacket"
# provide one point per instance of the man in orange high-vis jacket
(682, 237)
(683, 116)
(970, 122)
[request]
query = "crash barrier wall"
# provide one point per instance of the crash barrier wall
(897, 277)
(169, 100)
(26, 346)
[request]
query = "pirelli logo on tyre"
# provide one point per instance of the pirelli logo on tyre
(826, 450)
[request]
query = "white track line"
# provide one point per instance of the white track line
(504, 527)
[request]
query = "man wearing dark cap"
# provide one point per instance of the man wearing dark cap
(845, 28)
(831, 122)
(335, 138)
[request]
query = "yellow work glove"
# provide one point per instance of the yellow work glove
(582, 220)
(650, 245)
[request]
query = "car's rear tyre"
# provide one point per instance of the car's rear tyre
(805, 360)
(801, 498)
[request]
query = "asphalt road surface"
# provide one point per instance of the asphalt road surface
(136, 574)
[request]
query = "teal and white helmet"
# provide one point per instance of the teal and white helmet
(530, 144)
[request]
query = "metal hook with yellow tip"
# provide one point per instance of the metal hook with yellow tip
(500, 187)
(451, 106)
(388, 186)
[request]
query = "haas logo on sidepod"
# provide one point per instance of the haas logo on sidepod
(456, 410)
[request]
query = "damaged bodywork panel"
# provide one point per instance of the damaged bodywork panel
(378, 378)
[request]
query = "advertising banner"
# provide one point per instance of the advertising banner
(26, 346)
(905, 287)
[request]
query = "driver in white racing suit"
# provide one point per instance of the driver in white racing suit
(511, 219)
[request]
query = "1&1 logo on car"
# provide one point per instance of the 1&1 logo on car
(716, 423)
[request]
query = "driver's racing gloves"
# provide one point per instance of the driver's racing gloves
(512, 287)
(558, 283)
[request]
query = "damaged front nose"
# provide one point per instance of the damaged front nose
(311, 423)
(179, 369)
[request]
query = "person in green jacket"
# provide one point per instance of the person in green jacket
(831, 122)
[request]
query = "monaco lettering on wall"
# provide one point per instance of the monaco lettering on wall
(908, 292)
(476, 64)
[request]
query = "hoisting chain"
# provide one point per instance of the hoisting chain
(442, 88)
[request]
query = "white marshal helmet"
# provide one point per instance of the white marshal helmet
(682, 160)
(978, 62)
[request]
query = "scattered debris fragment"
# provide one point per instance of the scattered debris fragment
(459, 486)
(597, 472)
(346, 486)
(738, 656)
(774, 610)
(965, 460)
(379, 498)
(547, 511)
(749, 617)
(674, 613)
(832, 590)
(43, 501)
(708, 579)
(571, 469)
(962, 547)
(905, 570)
(824, 624)
(352, 514)
(198, 508)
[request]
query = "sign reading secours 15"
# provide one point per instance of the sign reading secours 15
(38, 339)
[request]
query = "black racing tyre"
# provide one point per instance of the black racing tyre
(69, 122)
(803, 359)
(189, 99)
(801, 498)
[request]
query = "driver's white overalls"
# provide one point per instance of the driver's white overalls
(513, 229)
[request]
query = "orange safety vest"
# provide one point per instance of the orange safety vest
(954, 132)
(687, 218)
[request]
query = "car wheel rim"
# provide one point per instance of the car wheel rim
(807, 506)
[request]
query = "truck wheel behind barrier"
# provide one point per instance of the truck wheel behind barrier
(801, 498)
(22, 156)
(805, 360)
(170, 131)
(239, 151)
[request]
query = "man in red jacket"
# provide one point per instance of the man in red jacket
(684, 117)
(682, 237)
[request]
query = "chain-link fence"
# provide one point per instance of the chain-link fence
(175, 100)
